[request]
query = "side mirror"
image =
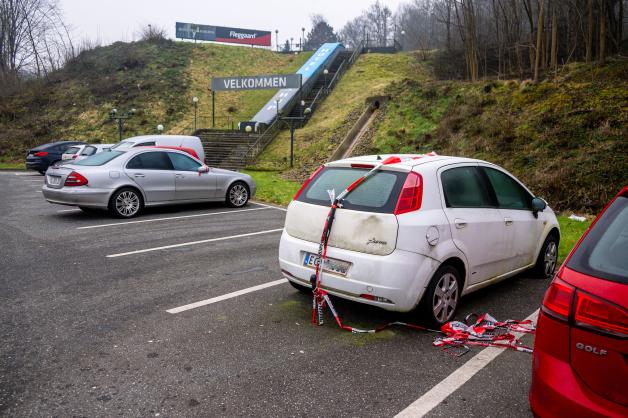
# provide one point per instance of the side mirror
(203, 169)
(538, 205)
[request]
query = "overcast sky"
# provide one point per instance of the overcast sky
(120, 20)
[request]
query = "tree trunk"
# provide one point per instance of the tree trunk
(602, 51)
(539, 41)
(589, 43)
(554, 48)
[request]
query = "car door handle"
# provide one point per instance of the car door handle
(508, 221)
(180, 176)
(138, 175)
(460, 223)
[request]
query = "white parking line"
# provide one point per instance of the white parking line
(28, 174)
(225, 297)
(167, 218)
(186, 244)
(269, 206)
(432, 398)
(38, 181)
(68, 210)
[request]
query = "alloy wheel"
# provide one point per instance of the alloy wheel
(127, 203)
(550, 258)
(445, 298)
(238, 195)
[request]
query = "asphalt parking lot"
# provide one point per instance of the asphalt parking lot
(91, 324)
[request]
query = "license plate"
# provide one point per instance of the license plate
(331, 265)
(54, 180)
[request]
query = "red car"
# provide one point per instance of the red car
(580, 360)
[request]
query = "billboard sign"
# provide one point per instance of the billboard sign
(222, 34)
(257, 82)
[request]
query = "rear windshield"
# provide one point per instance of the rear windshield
(377, 194)
(72, 150)
(604, 251)
(99, 159)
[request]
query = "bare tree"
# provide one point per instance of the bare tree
(33, 39)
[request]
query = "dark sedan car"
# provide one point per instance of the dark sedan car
(43, 156)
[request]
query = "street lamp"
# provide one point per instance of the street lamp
(195, 101)
(325, 72)
(120, 118)
(160, 128)
(291, 42)
(302, 38)
(294, 121)
(403, 36)
(277, 39)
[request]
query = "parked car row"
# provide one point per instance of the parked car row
(416, 236)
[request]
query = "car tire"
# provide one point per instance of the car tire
(237, 195)
(300, 287)
(126, 203)
(547, 259)
(442, 297)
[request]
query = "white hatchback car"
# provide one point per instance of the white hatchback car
(418, 234)
(79, 152)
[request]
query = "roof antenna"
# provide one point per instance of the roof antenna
(379, 158)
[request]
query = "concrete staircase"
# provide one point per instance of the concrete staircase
(224, 149)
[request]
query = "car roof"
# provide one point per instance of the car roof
(408, 161)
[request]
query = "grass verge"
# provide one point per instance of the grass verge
(4, 165)
(272, 188)
(570, 233)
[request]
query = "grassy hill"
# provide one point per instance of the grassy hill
(565, 137)
(158, 79)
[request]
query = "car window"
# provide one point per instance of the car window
(463, 188)
(62, 148)
(509, 193)
(183, 163)
(377, 194)
(72, 150)
(145, 144)
(87, 151)
(155, 160)
(602, 253)
(99, 159)
(123, 144)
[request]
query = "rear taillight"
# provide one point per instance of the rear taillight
(306, 182)
(411, 194)
(557, 300)
(600, 315)
(74, 156)
(75, 179)
(40, 154)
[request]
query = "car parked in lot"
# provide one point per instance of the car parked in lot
(184, 149)
(43, 156)
(184, 141)
(580, 360)
(79, 152)
(420, 233)
(127, 181)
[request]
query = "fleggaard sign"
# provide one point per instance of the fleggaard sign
(222, 34)
(257, 82)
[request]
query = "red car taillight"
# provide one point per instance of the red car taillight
(600, 315)
(306, 182)
(40, 154)
(589, 312)
(411, 194)
(557, 300)
(75, 179)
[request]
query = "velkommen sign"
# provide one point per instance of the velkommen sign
(222, 34)
(257, 82)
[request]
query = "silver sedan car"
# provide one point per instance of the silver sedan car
(126, 182)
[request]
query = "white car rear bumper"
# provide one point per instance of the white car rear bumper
(400, 277)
